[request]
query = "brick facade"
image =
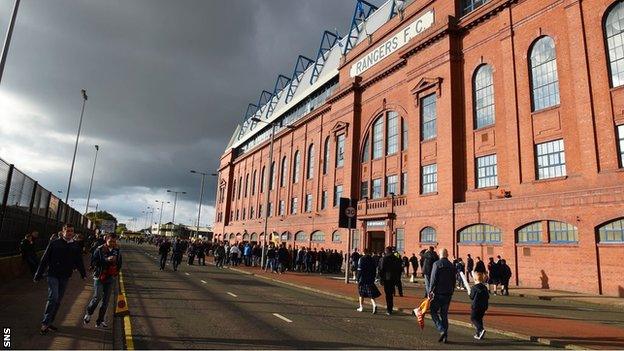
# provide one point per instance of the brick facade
(442, 61)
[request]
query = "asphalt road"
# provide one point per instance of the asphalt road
(209, 308)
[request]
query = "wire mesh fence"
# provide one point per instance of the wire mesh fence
(25, 206)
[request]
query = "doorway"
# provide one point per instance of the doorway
(376, 241)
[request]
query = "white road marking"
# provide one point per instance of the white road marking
(203, 281)
(186, 273)
(233, 295)
(282, 317)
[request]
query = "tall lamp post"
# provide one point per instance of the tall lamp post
(71, 172)
(97, 148)
(162, 203)
(7, 39)
(201, 196)
(175, 202)
(266, 186)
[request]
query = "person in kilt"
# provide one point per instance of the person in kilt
(366, 272)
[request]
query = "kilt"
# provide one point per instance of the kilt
(368, 291)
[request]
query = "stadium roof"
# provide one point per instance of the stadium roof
(310, 74)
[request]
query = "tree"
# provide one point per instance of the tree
(99, 216)
(121, 228)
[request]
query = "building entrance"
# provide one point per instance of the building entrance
(376, 241)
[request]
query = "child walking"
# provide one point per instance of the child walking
(479, 294)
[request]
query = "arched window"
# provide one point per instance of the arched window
(392, 133)
(336, 237)
(297, 161)
(261, 180)
(318, 237)
(483, 96)
(428, 235)
(326, 157)
(253, 237)
(310, 168)
(301, 237)
(480, 234)
(614, 32)
(562, 233)
(245, 237)
(253, 183)
(530, 233)
(366, 149)
(378, 131)
(283, 172)
(285, 236)
(232, 236)
(544, 78)
(612, 232)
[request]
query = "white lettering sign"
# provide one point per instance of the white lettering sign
(393, 44)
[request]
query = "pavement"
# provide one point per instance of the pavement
(204, 307)
(21, 308)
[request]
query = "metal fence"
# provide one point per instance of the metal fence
(26, 206)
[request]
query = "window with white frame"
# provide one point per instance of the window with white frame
(392, 183)
(324, 199)
(399, 240)
(620, 129)
(483, 92)
(480, 234)
(310, 168)
(562, 233)
(612, 232)
(308, 203)
(392, 133)
(297, 163)
(282, 207)
(293, 205)
(471, 5)
(544, 77)
(487, 174)
(429, 179)
(614, 32)
(550, 159)
(428, 116)
(283, 172)
(404, 183)
(404, 136)
(340, 150)
(378, 134)
(428, 235)
(326, 157)
(376, 189)
(337, 194)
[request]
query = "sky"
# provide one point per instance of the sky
(167, 80)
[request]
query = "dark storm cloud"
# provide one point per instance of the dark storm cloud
(168, 82)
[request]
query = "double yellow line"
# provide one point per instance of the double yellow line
(127, 324)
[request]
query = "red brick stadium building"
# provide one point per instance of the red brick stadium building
(487, 127)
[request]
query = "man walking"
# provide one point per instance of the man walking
(390, 270)
(106, 261)
(469, 267)
(429, 258)
(177, 253)
(61, 257)
(442, 286)
(163, 250)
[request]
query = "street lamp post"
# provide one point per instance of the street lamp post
(97, 148)
(162, 203)
(201, 196)
(71, 172)
(7, 40)
(175, 202)
(266, 187)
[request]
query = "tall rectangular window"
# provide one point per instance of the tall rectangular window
(293, 205)
(392, 183)
(378, 132)
(550, 159)
(400, 240)
(429, 179)
(355, 240)
(282, 207)
(487, 173)
(364, 189)
(376, 189)
(621, 137)
(324, 200)
(428, 115)
(308, 203)
(270, 208)
(404, 136)
(392, 133)
(403, 183)
(337, 194)
(340, 150)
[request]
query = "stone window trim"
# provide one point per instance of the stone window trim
(427, 86)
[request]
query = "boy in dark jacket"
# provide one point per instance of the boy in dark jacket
(480, 295)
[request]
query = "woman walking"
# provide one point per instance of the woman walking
(366, 272)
